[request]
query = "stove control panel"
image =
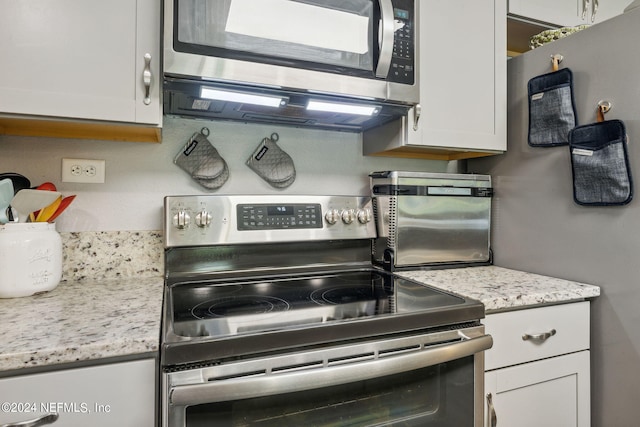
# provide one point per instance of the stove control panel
(219, 220)
(280, 216)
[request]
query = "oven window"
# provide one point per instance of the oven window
(439, 395)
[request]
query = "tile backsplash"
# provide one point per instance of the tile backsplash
(111, 255)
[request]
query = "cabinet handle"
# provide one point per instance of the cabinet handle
(146, 78)
(539, 337)
(40, 421)
(416, 116)
(594, 10)
(585, 7)
(493, 418)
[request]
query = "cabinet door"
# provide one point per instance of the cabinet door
(608, 9)
(562, 13)
(120, 394)
(550, 392)
(79, 59)
(566, 13)
(462, 76)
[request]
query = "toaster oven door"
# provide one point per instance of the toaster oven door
(422, 223)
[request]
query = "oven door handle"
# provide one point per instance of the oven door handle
(273, 384)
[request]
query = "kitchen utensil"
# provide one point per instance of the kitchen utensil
(20, 182)
(49, 186)
(44, 186)
(63, 205)
(28, 200)
(45, 213)
(6, 194)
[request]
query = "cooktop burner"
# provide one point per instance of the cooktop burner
(248, 275)
(238, 306)
(267, 304)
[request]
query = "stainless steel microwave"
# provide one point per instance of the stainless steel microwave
(344, 51)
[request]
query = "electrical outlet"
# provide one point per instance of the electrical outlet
(83, 170)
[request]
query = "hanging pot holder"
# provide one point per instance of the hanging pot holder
(600, 164)
(202, 161)
(272, 164)
(552, 111)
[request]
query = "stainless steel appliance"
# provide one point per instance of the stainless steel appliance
(431, 219)
(275, 316)
(318, 63)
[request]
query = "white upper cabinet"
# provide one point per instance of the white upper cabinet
(81, 59)
(567, 13)
(462, 69)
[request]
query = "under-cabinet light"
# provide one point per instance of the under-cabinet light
(334, 107)
(246, 98)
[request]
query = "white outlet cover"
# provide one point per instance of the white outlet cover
(86, 171)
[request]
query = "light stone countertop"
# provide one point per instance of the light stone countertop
(81, 321)
(501, 289)
(110, 301)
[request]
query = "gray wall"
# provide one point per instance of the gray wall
(538, 228)
(139, 175)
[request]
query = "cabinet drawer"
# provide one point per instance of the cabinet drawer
(569, 321)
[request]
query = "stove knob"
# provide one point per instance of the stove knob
(203, 219)
(348, 215)
(332, 216)
(181, 220)
(364, 216)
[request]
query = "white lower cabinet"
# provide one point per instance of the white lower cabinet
(117, 394)
(538, 371)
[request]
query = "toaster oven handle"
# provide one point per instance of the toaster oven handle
(291, 382)
(386, 39)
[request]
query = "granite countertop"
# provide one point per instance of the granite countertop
(88, 319)
(501, 289)
(80, 321)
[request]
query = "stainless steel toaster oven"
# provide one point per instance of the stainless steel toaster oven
(431, 219)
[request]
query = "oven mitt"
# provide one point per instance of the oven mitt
(272, 164)
(202, 161)
(552, 111)
(600, 164)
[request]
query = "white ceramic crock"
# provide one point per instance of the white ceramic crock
(30, 258)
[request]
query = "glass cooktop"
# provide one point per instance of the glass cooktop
(212, 309)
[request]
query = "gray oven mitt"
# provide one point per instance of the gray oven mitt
(272, 164)
(202, 161)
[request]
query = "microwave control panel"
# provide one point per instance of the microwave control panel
(402, 63)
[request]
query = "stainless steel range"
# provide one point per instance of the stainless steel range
(275, 316)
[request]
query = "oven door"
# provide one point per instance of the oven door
(427, 380)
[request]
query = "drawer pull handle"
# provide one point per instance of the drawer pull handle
(493, 418)
(539, 337)
(44, 420)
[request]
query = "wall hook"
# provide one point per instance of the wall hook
(603, 107)
(556, 60)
